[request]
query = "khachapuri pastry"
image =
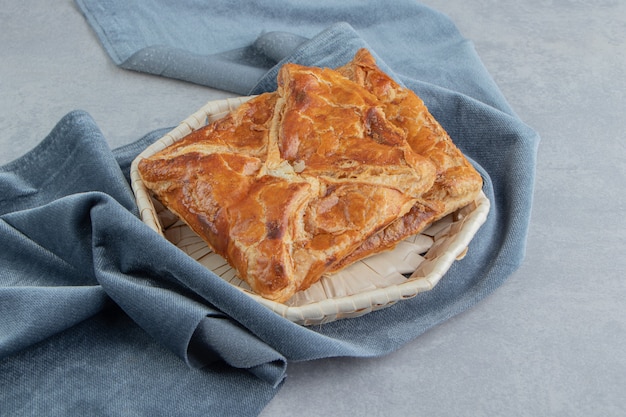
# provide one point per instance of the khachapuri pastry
(333, 166)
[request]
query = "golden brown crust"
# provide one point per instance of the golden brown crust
(457, 183)
(310, 178)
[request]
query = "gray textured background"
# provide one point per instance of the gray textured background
(550, 342)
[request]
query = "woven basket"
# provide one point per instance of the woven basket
(368, 285)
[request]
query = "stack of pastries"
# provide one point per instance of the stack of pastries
(332, 167)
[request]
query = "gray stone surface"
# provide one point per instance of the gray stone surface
(551, 340)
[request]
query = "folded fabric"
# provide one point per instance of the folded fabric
(230, 45)
(84, 278)
(72, 241)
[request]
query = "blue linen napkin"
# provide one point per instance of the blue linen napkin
(84, 280)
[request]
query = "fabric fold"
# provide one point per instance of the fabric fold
(410, 37)
(77, 243)
(225, 71)
(237, 346)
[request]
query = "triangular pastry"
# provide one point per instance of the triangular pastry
(300, 182)
(457, 183)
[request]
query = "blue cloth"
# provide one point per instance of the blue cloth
(101, 316)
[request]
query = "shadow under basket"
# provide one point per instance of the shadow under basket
(415, 265)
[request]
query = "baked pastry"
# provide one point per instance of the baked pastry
(457, 183)
(301, 182)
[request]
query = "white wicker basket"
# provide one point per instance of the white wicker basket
(371, 284)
